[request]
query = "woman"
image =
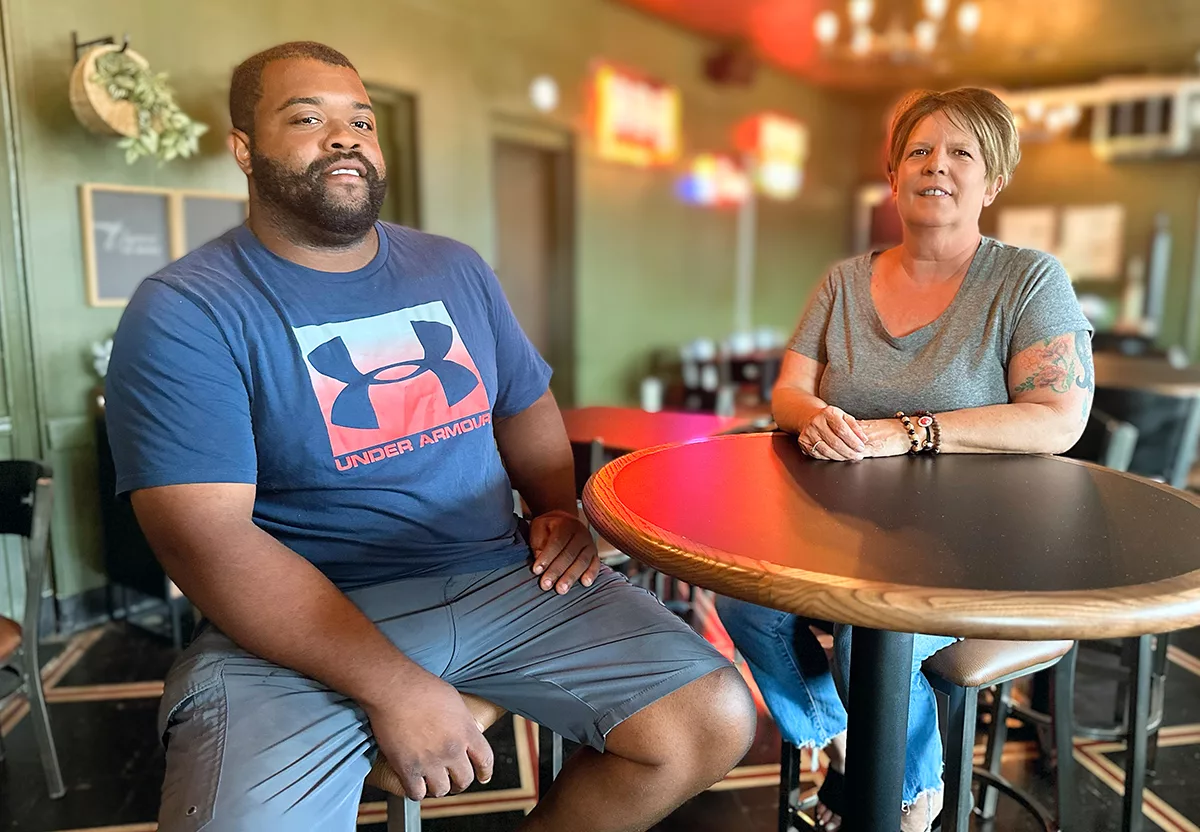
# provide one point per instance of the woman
(987, 339)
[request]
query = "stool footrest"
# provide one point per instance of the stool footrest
(1025, 799)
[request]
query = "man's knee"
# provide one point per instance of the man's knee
(706, 725)
(728, 716)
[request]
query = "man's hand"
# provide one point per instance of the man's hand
(430, 738)
(563, 551)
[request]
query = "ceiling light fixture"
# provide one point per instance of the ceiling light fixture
(897, 42)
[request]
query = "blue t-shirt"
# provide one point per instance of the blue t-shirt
(361, 404)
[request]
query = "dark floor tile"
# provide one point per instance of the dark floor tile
(1096, 804)
(1174, 779)
(111, 761)
(721, 812)
(123, 654)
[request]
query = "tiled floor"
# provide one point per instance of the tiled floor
(104, 685)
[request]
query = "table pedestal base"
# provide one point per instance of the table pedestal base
(880, 667)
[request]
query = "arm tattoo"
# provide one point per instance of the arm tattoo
(1083, 352)
(1056, 370)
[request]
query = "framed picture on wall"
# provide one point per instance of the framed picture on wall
(127, 236)
(130, 232)
(207, 216)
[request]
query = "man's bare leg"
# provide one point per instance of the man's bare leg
(654, 761)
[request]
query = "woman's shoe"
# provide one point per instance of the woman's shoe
(832, 794)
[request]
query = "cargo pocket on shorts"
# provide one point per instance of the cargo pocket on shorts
(191, 722)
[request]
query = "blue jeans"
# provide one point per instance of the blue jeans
(806, 696)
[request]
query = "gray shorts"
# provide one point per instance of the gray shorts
(254, 746)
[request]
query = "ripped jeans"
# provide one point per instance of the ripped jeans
(806, 696)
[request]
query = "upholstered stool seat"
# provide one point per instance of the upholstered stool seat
(981, 663)
(10, 637)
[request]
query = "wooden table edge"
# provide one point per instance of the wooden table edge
(1162, 606)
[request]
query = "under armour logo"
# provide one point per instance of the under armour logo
(353, 409)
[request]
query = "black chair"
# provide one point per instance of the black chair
(1107, 441)
(26, 494)
(129, 562)
(1132, 346)
(1168, 431)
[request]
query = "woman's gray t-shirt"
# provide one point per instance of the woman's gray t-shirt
(1010, 299)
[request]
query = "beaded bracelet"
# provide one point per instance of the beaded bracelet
(933, 431)
(912, 432)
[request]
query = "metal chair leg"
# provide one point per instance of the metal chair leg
(997, 735)
(660, 586)
(1064, 740)
(1158, 697)
(556, 755)
(41, 721)
(1135, 743)
(403, 815)
(789, 785)
(960, 751)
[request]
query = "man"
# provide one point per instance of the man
(317, 417)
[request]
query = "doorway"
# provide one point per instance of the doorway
(396, 128)
(535, 234)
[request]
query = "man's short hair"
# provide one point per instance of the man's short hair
(245, 89)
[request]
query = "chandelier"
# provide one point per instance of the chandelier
(897, 41)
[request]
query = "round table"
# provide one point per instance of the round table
(1157, 376)
(986, 546)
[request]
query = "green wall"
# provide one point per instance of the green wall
(651, 272)
(1068, 172)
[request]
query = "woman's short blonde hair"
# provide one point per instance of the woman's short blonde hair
(972, 110)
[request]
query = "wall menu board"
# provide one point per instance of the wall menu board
(208, 216)
(131, 232)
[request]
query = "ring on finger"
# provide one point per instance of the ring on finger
(815, 445)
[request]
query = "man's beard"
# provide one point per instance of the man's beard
(305, 207)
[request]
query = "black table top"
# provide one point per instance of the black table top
(999, 546)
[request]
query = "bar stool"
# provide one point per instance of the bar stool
(403, 814)
(958, 672)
